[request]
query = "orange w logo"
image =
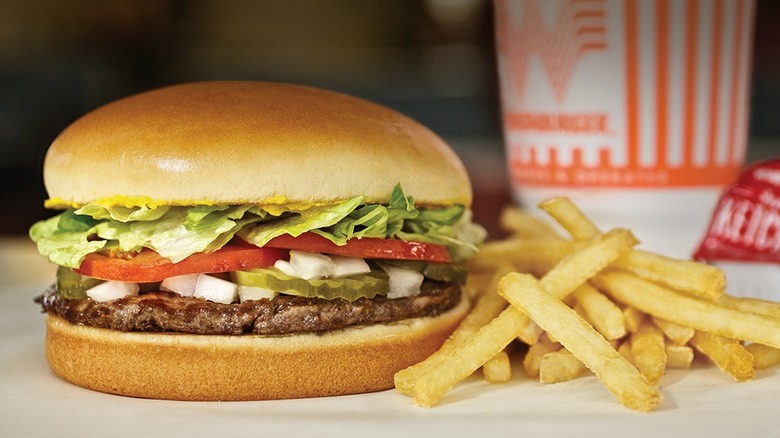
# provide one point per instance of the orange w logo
(579, 28)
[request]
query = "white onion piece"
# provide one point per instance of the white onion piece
(215, 289)
(183, 285)
(311, 265)
(246, 293)
(285, 267)
(403, 282)
(112, 290)
(345, 266)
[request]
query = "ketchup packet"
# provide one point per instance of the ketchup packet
(743, 237)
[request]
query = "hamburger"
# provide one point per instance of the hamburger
(249, 241)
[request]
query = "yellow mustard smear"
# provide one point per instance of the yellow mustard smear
(275, 205)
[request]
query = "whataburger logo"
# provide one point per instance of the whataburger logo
(580, 28)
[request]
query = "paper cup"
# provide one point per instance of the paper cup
(637, 110)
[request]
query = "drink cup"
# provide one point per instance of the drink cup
(636, 110)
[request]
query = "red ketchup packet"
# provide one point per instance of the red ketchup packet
(743, 236)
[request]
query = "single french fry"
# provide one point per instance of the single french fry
(752, 305)
(604, 315)
(633, 319)
(649, 352)
(679, 356)
(533, 357)
(571, 218)
(522, 223)
(684, 310)
(676, 333)
(618, 375)
(560, 366)
(764, 356)
(498, 369)
(728, 354)
(686, 276)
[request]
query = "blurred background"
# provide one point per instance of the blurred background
(433, 60)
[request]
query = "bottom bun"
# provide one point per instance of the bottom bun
(212, 368)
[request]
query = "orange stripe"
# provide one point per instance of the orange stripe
(690, 80)
(662, 75)
(589, 14)
(632, 83)
(736, 79)
(715, 86)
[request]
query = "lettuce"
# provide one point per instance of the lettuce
(178, 232)
(64, 239)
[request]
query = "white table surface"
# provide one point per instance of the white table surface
(34, 402)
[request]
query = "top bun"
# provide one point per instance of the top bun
(248, 143)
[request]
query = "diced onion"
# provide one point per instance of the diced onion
(346, 266)
(215, 289)
(311, 265)
(183, 285)
(286, 267)
(112, 290)
(403, 282)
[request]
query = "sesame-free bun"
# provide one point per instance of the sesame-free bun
(248, 142)
(203, 367)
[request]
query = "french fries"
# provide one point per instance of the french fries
(429, 380)
(682, 275)
(430, 385)
(533, 357)
(678, 334)
(586, 344)
(599, 304)
(489, 306)
(521, 223)
(701, 315)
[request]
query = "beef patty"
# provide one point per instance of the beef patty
(168, 312)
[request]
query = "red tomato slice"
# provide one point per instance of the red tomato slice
(367, 247)
(148, 266)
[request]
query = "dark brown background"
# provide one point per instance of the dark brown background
(60, 59)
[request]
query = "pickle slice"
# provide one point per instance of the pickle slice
(72, 285)
(348, 288)
(446, 272)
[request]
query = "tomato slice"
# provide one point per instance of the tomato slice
(148, 266)
(367, 247)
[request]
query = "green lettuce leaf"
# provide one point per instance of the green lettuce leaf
(178, 232)
(64, 238)
(297, 223)
(174, 232)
